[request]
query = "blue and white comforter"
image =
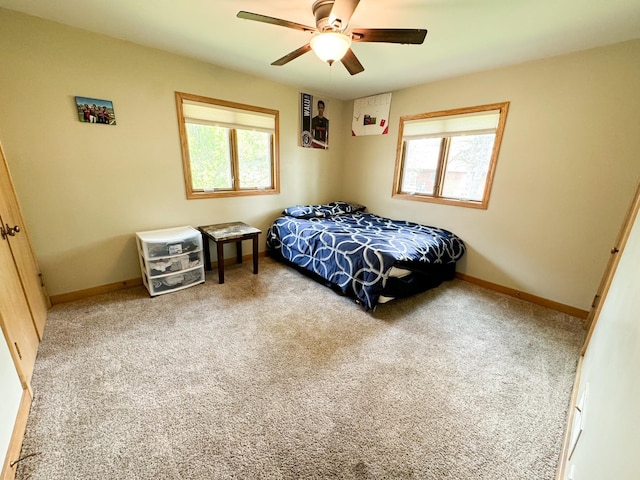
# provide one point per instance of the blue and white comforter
(356, 251)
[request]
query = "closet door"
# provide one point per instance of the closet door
(15, 318)
(21, 250)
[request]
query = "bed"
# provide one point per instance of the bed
(370, 258)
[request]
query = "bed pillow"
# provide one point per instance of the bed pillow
(300, 211)
(323, 211)
(338, 208)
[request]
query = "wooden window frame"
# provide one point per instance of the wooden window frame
(236, 190)
(502, 107)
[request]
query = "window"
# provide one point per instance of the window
(449, 157)
(228, 149)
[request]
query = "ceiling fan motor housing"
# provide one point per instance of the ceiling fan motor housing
(322, 10)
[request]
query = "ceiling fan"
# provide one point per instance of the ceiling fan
(331, 42)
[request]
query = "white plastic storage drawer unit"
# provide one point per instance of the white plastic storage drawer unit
(170, 259)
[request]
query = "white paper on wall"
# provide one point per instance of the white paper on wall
(371, 115)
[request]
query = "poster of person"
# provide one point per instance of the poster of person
(314, 124)
(371, 115)
(94, 110)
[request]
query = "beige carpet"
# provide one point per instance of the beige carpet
(275, 376)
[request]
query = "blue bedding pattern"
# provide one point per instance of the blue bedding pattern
(355, 251)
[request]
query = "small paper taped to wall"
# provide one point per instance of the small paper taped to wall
(371, 115)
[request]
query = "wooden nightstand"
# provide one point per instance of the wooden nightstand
(222, 233)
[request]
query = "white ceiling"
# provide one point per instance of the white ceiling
(464, 36)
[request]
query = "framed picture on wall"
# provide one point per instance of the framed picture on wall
(94, 110)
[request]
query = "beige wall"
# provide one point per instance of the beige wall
(568, 166)
(85, 189)
(566, 173)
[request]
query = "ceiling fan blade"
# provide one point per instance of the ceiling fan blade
(341, 12)
(256, 17)
(351, 63)
(292, 56)
(389, 35)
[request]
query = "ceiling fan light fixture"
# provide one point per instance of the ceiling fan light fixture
(330, 46)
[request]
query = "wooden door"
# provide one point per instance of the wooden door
(15, 318)
(21, 250)
(610, 269)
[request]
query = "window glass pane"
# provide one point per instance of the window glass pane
(228, 149)
(254, 158)
(449, 156)
(209, 155)
(420, 165)
(468, 166)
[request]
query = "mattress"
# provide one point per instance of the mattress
(366, 256)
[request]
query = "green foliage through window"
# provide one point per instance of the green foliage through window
(227, 148)
(209, 153)
(450, 157)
